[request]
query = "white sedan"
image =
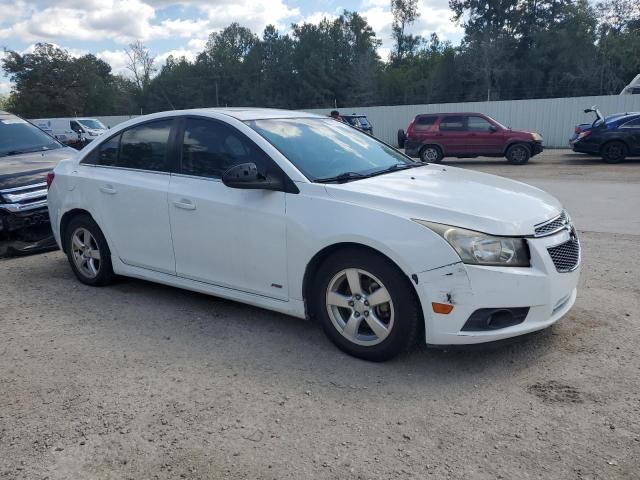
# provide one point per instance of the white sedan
(307, 216)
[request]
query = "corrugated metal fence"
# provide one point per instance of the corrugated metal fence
(554, 118)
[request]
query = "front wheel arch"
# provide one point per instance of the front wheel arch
(317, 259)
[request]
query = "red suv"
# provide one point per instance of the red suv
(431, 137)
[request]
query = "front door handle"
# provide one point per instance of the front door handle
(108, 189)
(184, 204)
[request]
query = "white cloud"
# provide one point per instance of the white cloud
(317, 17)
(5, 88)
(117, 59)
(435, 17)
(124, 21)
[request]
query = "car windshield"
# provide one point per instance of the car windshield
(93, 124)
(323, 149)
(18, 136)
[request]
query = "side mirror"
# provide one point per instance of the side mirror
(493, 128)
(246, 176)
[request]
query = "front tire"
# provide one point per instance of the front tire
(365, 304)
(88, 252)
(614, 152)
(518, 154)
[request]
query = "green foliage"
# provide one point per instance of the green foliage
(49, 82)
(511, 49)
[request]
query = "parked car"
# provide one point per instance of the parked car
(633, 88)
(27, 155)
(301, 214)
(431, 137)
(75, 132)
(613, 138)
(359, 121)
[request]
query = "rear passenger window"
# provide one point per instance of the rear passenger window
(108, 152)
(145, 147)
(453, 124)
(211, 148)
(426, 121)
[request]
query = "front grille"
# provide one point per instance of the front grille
(25, 198)
(566, 256)
(552, 226)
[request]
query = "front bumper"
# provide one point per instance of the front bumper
(25, 232)
(536, 148)
(548, 294)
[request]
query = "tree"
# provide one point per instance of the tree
(405, 13)
(140, 63)
(50, 82)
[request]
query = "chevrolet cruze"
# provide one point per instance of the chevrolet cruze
(310, 217)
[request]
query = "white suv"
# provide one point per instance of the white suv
(307, 216)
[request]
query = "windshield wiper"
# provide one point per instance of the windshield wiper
(396, 167)
(342, 178)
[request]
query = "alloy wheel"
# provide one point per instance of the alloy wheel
(86, 253)
(360, 307)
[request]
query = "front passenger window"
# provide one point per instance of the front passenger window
(210, 148)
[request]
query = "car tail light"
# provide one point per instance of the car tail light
(50, 177)
(584, 134)
(577, 130)
(410, 127)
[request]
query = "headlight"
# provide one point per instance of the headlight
(478, 248)
(536, 137)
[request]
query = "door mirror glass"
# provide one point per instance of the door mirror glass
(246, 175)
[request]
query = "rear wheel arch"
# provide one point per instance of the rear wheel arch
(432, 145)
(66, 219)
(612, 141)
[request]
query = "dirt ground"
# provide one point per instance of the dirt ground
(142, 381)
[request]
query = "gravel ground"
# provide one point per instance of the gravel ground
(145, 381)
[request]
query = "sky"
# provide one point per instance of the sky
(181, 27)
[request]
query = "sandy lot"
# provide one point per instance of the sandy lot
(144, 381)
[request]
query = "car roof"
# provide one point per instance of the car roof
(621, 117)
(249, 113)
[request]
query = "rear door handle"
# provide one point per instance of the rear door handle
(184, 204)
(108, 189)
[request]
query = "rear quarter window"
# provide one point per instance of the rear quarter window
(426, 121)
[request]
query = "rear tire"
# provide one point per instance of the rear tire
(431, 154)
(365, 304)
(614, 152)
(88, 252)
(518, 154)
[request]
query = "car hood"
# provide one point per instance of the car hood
(454, 196)
(30, 168)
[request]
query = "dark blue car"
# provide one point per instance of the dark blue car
(614, 138)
